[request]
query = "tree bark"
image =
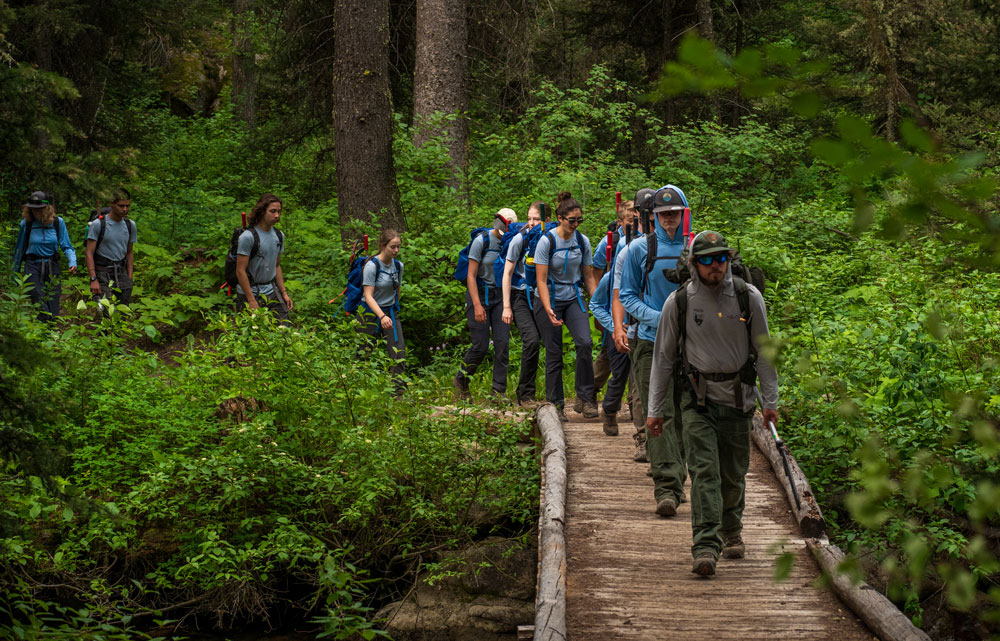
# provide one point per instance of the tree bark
(441, 79)
(245, 72)
(362, 118)
(550, 592)
(707, 31)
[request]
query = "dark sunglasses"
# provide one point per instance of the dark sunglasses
(718, 258)
(574, 221)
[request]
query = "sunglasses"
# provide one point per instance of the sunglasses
(722, 259)
(574, 221)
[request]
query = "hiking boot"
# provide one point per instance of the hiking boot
(666, 507)
(610, 424)
(461, 385)
(578, 405)
(499, 398)
(590, 410)
(640, 455)
(733, 547)
(526, 401)
(704, 564)
(562, 415)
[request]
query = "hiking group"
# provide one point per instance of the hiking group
(681, 321)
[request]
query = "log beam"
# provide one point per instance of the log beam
(550, 593)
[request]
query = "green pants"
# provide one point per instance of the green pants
(718, 456)
(666, 451)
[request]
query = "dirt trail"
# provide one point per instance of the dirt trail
(629, 571)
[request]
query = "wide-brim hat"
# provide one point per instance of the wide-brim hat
(37, 200)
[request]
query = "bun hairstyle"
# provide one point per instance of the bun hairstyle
(566, 204)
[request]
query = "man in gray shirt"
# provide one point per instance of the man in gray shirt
(109, 252)
(717, 345)
(258, 261)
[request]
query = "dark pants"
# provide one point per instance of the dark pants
(666, 453)
(42, 274)
(275, 305)
(578, 323)
(524, 319)
(115, 284)
(395, 344)
(619, 366)
(602, 366)
(718, 455)
(481, 339)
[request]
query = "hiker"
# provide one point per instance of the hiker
(717, 342)
(562, 260)
(40, 235)
(484, 310)
(258, 261)
(626, 216)
(517, 309)
(381, 280)
(644, 289)
(110, 260)
(619, 365)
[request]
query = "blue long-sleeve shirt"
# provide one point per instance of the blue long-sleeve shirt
(45, 240)
(646, 304)
(600, 303)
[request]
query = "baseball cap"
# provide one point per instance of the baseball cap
(37, 200)
(668, 199)
(709, 242)
(643, 199)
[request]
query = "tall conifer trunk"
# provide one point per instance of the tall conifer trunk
(441, 78)
(244, 63)
(362, 118)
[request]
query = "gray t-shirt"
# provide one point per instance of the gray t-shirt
(117, 237)
(263, 266)
(389, 280)
(566, 261)
(486, 255)
(515, 249)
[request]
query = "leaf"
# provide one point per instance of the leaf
(783, 566)
(67, 514)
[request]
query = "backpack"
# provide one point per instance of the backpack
(354, 294)
(27, 235)
(462, 268)
(229, 269)
(500, 264)
(552, 250)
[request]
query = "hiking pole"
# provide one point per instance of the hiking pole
(783, 450)
(687, 231)
(618, 203)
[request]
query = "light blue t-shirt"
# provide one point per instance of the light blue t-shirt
(566, 262)
(118, 235)
(486, 255)
(515, 249)
(263, 267)
(386, 285)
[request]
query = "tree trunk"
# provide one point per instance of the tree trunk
(707, 31)
(668, 51)
(244, 63)
(362, 118)
(441, 79)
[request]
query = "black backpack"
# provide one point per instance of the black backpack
(229, 270)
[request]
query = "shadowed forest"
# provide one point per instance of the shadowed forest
(173, 469)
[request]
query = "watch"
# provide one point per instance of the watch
(93, 278)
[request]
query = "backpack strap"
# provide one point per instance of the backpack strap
(27, 236)
(100, 234)
(650, 262)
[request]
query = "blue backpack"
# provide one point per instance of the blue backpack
(354, 294)
(462, 269)
(501, 262)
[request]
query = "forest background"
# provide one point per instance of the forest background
(166, 466)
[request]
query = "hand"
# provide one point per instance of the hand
(769, 417)
(95, 287)
(553, 319)
(72, 270)
(386, 321)
(288, 300)
(479, 313)
(252, 303)
(654, 426)
(621, 341)
(507, 316)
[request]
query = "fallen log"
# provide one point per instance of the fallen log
(879, 613)
(550, 594)
(807, 514)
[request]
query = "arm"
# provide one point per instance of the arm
(664, 352)
(384, 321)
(620, 333)
(242, 260)
(508, 275)
(542, 284)
(589, 279)
(19, 248)
(95, 287)
(129, 260)
(598, 305)
(279, 280)
(66, 246)
(473, 286)
(766, 373)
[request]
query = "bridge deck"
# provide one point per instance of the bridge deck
(629, 571)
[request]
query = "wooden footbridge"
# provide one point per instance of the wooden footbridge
(610, 568)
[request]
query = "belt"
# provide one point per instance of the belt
(38, 257)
